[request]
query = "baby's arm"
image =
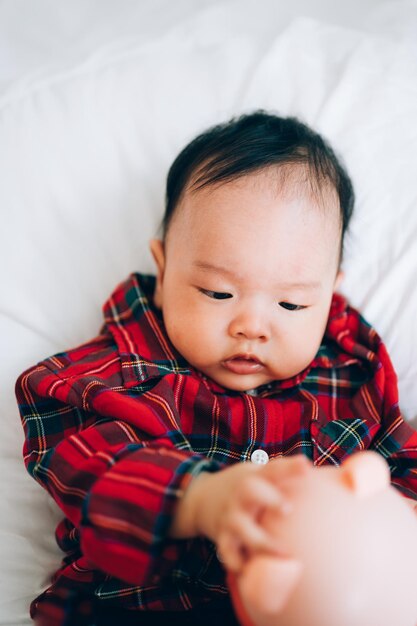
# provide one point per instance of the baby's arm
(110, 462)
(226, 507)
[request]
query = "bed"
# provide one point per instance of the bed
(97, 98)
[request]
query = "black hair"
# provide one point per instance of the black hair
(253, 142)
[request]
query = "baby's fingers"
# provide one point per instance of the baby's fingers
(231, 553)
(259, 495)
(280, 469)
(243, 538)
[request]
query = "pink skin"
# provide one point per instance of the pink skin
(348, 529)
(236, 258)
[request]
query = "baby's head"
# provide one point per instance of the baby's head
(256, 212)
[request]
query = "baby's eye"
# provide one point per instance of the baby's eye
(291, 307)
(216, 295)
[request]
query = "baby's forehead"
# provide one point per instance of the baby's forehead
(286, 182)
(254, 222)
(262, 205)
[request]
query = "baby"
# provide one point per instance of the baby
(239, 349)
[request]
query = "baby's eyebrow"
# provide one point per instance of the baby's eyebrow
(313, 285)
(210, 267)
(218, 269)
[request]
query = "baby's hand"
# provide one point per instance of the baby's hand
(230, 504)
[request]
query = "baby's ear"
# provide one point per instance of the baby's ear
(157, 249)
(366, 473)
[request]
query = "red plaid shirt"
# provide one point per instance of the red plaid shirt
(116, 428)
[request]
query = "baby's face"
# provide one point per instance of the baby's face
(246, 277)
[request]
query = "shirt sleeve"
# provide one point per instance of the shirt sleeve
(116, 472)
(396, 440)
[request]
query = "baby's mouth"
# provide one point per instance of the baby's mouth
(243, 364)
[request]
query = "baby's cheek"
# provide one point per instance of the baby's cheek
(310, 338)
(189, 336)
(175, 328)
(301, 350)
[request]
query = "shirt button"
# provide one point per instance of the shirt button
(260, 457)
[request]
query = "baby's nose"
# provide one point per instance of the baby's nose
(250, 325)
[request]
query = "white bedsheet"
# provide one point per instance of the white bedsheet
(95, 102)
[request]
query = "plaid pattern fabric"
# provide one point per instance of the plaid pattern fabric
(116, 428)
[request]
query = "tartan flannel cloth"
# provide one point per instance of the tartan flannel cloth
(116, 428)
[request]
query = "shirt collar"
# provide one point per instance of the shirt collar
(138, 329)
(146, 352)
